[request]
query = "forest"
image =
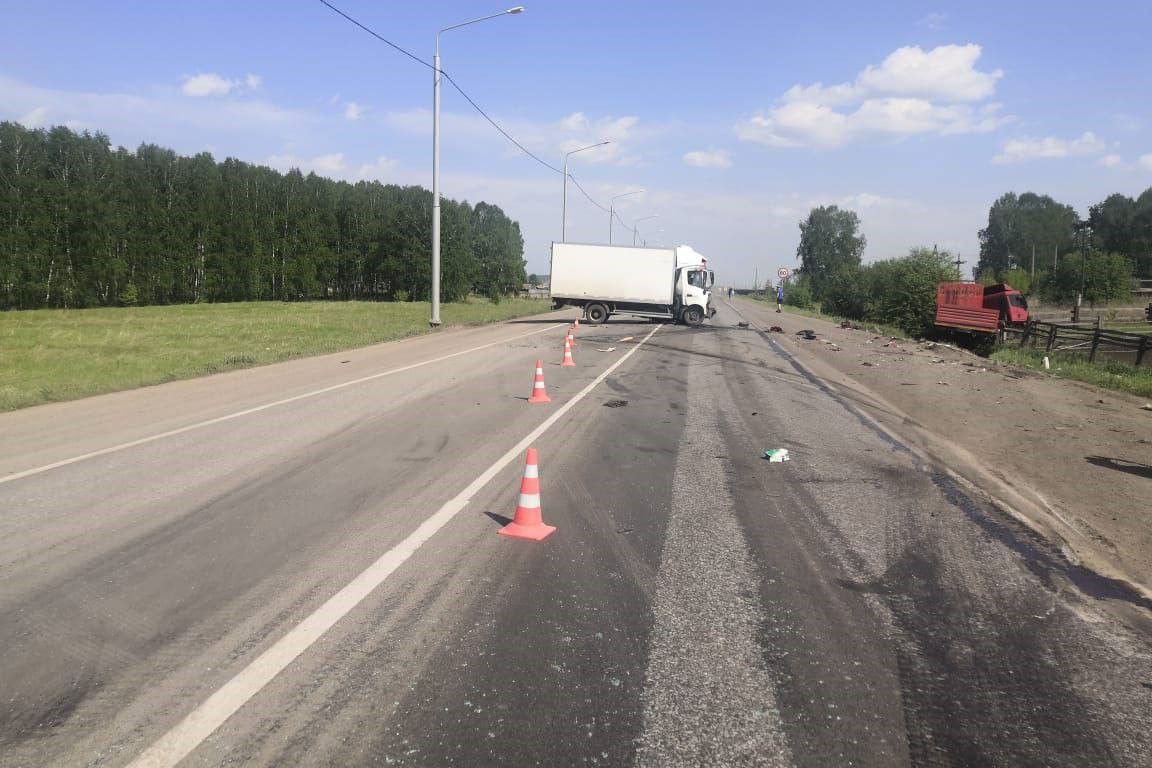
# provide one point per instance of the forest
(86, 224)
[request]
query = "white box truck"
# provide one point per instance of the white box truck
(606, 280)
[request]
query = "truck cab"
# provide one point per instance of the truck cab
(693, 294)
(1009, 302)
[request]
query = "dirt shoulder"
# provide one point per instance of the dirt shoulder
(1071, 460)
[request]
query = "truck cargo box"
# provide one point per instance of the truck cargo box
(613, 273)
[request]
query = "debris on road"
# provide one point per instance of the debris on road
(807, 333)
(870, 365)
(627, 338)
(615, 403)
(946, 384)
(776, 455)
(1146, 407)
(605, 349)
(776, 329)
(742, 324)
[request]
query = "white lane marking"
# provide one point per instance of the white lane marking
(199, 724)
(257, 409)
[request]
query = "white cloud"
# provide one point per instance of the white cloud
(353, 111)
(934, 21)
(37, 118)
(1019, 150)
(550, 139)
(1111, 161)
(947, 73)
(712, 158)
(1145, 161)
(211, 84)
(911, 92)
(323, 165)
(381, 169)
(1126, 122)
(335, 165)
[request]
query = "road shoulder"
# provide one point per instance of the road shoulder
(1062, 457)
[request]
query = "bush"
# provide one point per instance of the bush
(798, 294)
(130, 296)
(1106, 276)
(903, 291)
(845, 293)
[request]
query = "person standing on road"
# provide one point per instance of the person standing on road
(729, 291)
(780, 297)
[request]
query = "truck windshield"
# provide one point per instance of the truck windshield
(1016, 300)
(698, 278)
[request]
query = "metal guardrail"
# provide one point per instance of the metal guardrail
(1067, 337)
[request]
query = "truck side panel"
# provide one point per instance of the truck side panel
(967, 318)
(612, 273)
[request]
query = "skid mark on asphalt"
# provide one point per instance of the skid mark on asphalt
(202, 721)
(708, 698)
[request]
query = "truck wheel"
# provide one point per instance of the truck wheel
(596, 313)
(692, 316)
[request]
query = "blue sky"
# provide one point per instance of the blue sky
(734, 118)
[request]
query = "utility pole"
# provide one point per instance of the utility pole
(958, 262)
(1033, 262)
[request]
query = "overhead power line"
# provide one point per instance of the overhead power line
(573, 178)
(468, 98)
(410, 55)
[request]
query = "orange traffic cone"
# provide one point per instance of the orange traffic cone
(539, 393)
(577, 323)
(529, 523)
(568, 361)
(571, 336)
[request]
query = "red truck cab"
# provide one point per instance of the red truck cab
(979, 308)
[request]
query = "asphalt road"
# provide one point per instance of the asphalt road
(248, 570)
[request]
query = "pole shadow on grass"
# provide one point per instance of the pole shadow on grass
(1121, 465)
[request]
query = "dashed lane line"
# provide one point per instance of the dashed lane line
(202, 721)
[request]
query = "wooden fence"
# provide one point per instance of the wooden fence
(1090, 339)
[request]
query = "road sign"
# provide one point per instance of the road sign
(783, 273)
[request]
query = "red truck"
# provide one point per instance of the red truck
(979, 309)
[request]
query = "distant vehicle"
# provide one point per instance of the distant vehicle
(983, 310)
(607, 280)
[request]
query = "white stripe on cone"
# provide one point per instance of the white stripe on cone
(531, 470)
(530, 500)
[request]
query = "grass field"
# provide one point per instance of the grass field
(51, 355)
(1110, 374)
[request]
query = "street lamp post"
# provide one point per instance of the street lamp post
(612, 210)
(435, 321)
(1085, 247)
(564, 196)
(636, 225)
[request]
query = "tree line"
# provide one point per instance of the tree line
(1096, 257)
(899, 291)
(1022, 225)
(83, 224)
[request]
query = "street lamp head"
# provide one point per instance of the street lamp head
(517, 9)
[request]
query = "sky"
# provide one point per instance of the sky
(734, 119)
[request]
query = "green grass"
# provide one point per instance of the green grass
(1109, 374)
(52, 355)
(881, 329)
(1143, 328)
